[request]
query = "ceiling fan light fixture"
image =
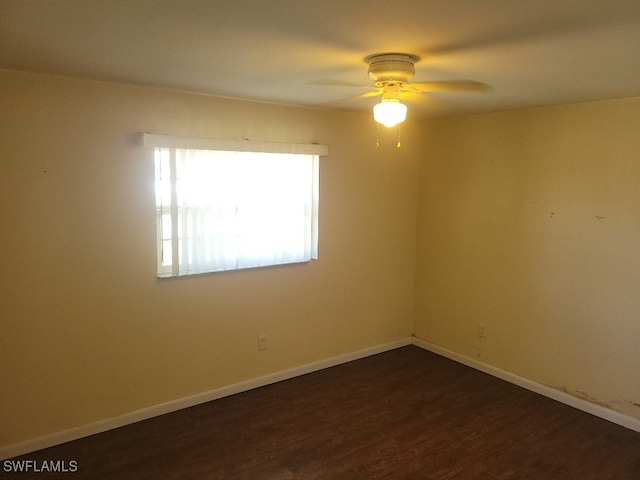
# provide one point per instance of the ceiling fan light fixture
(391, 67)
(390, 112)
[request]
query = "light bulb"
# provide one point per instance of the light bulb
(390, 112)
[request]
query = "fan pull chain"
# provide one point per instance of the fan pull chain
(398, 144)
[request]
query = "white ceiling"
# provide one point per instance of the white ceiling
(528, 52)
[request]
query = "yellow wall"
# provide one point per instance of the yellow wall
(529, 223)
(88, 332)
(524, 221)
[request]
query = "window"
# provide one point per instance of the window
(225, 208)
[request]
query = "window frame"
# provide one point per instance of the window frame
(172, 143)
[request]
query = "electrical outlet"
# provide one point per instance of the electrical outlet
(482, 330)
(262, 342)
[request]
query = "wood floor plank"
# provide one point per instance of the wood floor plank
(403, 414)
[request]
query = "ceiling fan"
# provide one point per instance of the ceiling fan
(391, 73)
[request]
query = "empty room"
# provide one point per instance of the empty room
(304, 239)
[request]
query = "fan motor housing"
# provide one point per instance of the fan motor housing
(391, 67)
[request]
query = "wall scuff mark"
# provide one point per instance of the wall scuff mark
(584, 396)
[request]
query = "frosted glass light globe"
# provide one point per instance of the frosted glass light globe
(390, 112)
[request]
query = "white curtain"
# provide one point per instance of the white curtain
(243, 209)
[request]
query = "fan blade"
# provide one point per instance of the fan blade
(448, 86)
(408, 96)
(371, 94)
(338, 83)
(351, 103)
(361, 96)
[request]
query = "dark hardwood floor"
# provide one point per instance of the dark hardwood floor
(403, 414)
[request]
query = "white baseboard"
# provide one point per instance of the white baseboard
(562, 397)
(100, 426)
